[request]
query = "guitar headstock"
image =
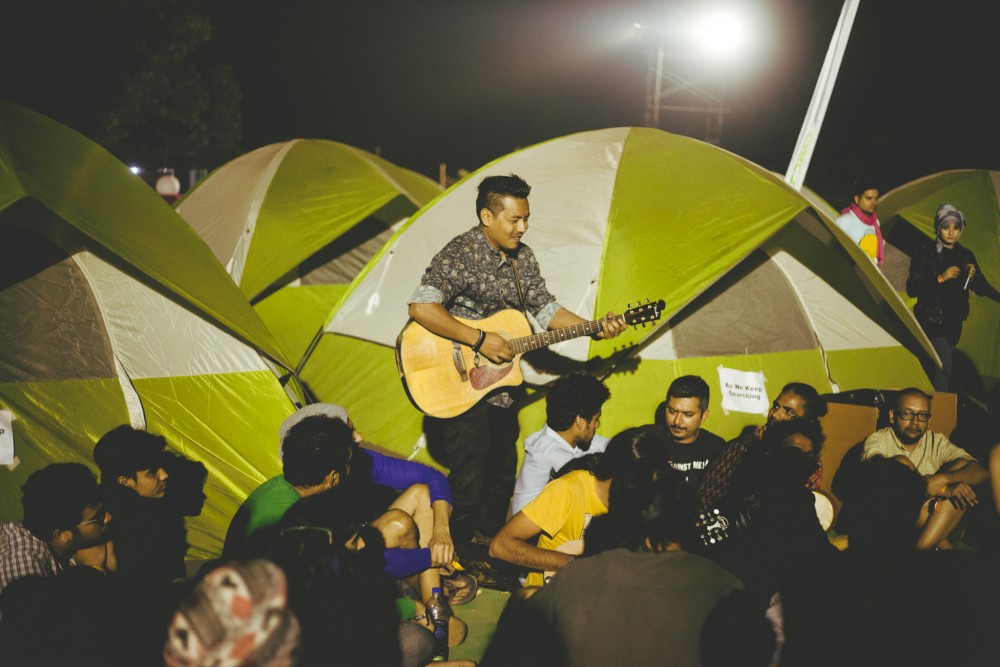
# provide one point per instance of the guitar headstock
(712, 527)
(643, 313)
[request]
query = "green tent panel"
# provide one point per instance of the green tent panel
(908, 218)
(303, 215)
(230, 423)
(116, 312)
(753, 279)
(296, 313)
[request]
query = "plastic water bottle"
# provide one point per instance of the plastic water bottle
(440, 614)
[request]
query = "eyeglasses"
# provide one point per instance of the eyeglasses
(302, 531)
(910, 415)
(99, 519)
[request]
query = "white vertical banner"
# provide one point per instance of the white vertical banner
(743, 391)
(809, 133)
(6, 438)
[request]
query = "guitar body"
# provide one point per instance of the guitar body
(442, 377)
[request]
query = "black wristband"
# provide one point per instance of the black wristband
(479, 343)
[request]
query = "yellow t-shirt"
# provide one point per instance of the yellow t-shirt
(563, 511)
(869, 243)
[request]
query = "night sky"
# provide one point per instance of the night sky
(464, 82)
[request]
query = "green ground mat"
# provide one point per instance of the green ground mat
(481, 616)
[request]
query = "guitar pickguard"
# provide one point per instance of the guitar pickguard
(487, 375)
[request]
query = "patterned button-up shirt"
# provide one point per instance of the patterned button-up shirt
(23, 555)
(473, 280)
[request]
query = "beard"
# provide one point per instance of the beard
(584, 446)
(909, 438)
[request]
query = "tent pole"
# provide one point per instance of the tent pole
(809, 134)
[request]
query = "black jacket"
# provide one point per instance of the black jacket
(938, 302)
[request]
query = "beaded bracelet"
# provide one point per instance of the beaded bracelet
(479, 343)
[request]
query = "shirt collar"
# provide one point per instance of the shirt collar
(500, 256)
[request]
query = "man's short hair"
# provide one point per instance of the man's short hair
(577, 394)
(124, 451)
(55, 496)
(494, 188)
(863, 185)
(690, 386)
(777, 433)
(314, 448)
(645, 444)
(912, 391)
(815, 405)
(653, 504)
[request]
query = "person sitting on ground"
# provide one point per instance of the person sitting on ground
(63, 514)
(950, 472)
(238, 614)
(796, 400)
(315, 458)
(561, 513)
(691, 448)
(409, 502)
(767, 532)
(149, 534)
(883, 606)
(587, 614)
(413, 522)
(860, 222)
(341, 595)
(572, 417)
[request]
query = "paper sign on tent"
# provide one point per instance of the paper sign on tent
(6, 438)
(743, 391)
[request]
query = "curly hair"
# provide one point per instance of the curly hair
(574, 395)
(314, 448)
(55, 497)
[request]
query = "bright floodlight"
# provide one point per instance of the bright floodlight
(722, 32)
(135, 170)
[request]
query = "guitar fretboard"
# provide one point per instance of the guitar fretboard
(546, 338)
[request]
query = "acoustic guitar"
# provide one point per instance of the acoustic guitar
(444, 378)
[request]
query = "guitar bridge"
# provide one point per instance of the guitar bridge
(456, 356)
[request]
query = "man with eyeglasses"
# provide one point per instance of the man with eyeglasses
(950, 471)
(62, 515)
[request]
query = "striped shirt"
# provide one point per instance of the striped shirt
(23, 555)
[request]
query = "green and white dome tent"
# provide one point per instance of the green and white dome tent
(113, 311)
(752, 277)
(907, 215)
(295, 222)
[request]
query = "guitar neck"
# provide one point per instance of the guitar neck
(546, 338)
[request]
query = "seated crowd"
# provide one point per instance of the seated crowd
(664, 544)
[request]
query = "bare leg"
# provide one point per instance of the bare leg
(400, 531)
(939, 525)
(397, 529)
(416, 502)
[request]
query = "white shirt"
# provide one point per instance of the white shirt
(545, 452)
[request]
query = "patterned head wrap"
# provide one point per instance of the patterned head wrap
(237, 615)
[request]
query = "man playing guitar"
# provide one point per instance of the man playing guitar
(478, 273)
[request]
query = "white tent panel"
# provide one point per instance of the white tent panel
(154, 337)
(226, 219)
(838, 324)
(568, 222)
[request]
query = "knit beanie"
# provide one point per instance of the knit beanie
(237, 615)
(945, 213)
